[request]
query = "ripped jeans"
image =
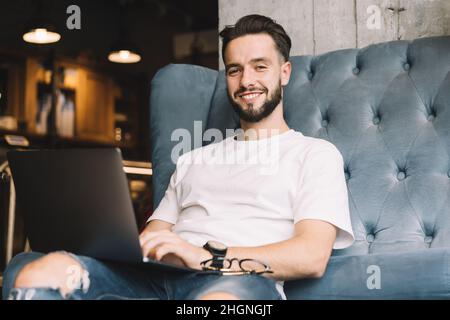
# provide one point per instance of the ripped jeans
(106, 280)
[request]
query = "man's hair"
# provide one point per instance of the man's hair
(254, 24)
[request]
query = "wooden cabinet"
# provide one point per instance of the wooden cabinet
(95, 107)
(12, 75)
(15, 94)
(94, 98)
(106, 107)
(33, 74)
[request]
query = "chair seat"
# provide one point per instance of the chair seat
(422, 274)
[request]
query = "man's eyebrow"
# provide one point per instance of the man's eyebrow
(255, 60)
(262, 59)
(231, 65)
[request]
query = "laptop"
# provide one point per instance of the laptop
(78, 200)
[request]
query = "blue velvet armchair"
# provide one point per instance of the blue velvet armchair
(387, 109)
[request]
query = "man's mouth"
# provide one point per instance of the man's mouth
(250, 96)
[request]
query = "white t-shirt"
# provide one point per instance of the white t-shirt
(252, 192)
(251, 200)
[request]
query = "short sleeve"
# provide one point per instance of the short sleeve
(322, 193)
(168, 209)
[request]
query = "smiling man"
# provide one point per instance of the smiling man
(259, 228)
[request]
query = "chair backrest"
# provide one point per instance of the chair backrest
(385, 107)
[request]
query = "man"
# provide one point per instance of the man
(234, 217)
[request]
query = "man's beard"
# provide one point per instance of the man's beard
(255, 115)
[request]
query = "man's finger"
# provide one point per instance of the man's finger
(153, 243)
(148, 248)
(165, 249)
(146, 236)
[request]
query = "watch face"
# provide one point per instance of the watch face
(217, 245)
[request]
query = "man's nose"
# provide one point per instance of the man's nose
(248, 78)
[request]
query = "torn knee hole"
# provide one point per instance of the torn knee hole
(219, 295)
(56, 271)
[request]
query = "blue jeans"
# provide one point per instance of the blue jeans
(108, 280)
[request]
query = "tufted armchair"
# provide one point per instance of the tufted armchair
(387, 109)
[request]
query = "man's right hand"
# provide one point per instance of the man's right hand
(158, 225)
(159, 244)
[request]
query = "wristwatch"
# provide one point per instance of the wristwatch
(218, 251)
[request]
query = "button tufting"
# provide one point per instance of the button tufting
(428, 239)
(376, 120)
(407, 66)
(448, 173)
(401, 175)
(431, 117)
(347, 175)
(324, 122)
(370, 238)
(310, 76)
(356, 71)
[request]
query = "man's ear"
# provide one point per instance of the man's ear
(286, 69)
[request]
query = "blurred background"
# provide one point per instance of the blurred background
(76, 74)
(109, 100)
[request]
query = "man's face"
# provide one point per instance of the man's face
(255, 74)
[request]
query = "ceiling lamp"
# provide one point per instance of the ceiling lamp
(41, 35)
(123, 50)
(124, 54)
(40, 30)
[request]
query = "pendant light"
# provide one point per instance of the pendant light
(40, 30)
(41, 35)
(123, 50)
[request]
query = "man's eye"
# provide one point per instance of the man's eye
(232, 71)
(260, 67)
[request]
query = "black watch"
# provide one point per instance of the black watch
(218, 251)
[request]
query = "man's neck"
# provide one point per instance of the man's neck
(272, 125)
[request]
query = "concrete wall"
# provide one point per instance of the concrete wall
(318, 26)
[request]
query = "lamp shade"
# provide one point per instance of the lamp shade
(41, 32)
(123, 52)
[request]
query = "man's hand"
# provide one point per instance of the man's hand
(166, 245)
